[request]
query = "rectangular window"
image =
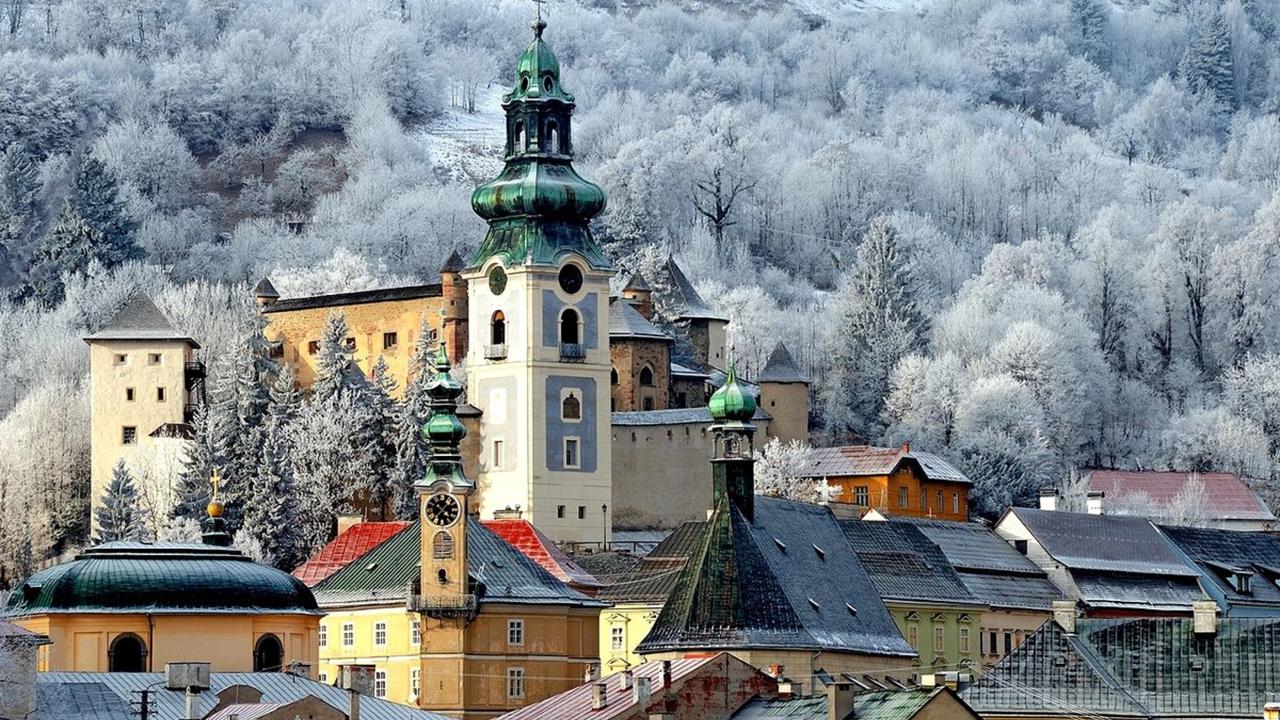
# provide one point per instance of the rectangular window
(862, 495)
(913, 637)
(1008, 643)
(515, 683)
(119, 359)
(647, 404)
(128, 394)
(965, 647)
(129, 435)
(955, 502)
(324, 678)
(415, 632)
(159, 394)
(153, 358)
(349, 344)
(582, 512)
(560, 511)
(313, 347)
(902, 498)
(1020, 546)
(515, 632)
(389, 340)
(616, 641)
(379, 683)
(992, 647)
(348, 634)
(939, 639)
(939, 505)
(924, 501)
(380, 633)
(415, 683)
(324, 635)
(571, 459)
(497, 453)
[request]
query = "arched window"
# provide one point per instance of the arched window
(569, 327)
(442, 546)
(498, 329)
(571, 408)
(517, 137)
(553, 137)
(646, 376)
(268, 654)
(127, 654)
(613, 376)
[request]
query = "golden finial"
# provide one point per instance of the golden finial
(215, 505)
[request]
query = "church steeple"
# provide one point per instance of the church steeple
(538, 207)
(733, 463)
(443, 430)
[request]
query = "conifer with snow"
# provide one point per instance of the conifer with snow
(120, 515)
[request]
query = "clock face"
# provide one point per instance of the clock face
(497, 281)
(570, 279)
(442, 510)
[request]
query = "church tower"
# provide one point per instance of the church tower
(538, 292)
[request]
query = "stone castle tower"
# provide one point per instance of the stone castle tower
(538, 309)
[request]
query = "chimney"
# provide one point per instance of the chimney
(640, 691)
(346, 521)
(599, 696)
(840, 700)
(666, 674)
(928, 680)
(786, 689)
(592, 674)
(508, 513)
(906, 448)
(1093, 501)
(1204, 617)
(1064, 613)
(628, 678)
(1049, 499)
(193, 706)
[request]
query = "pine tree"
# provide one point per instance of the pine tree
(19, 209)
(93, 225)
(411, 414)
(877, 323)
(243, 399)
(383, 415)
(205, 452)
(272, 516)
(334, 363)
(1207, 65)
(1091, 18)
(119, 517)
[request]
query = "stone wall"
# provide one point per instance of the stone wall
(629, 357)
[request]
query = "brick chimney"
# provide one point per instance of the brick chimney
(599, 696)
(906, 448)
(592, 673)
(1204, 617)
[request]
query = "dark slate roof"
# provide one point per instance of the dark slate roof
(1109, 543)
(857, 460)
(1142, 668)
(990, 568)
(786, 580)
(904, 564)
(780, 368)
(499, 572)
(638, 283)
(140, 319)
(651, 580)
(453, 264)
(691, 304)
(1127, 591)
(673, 416)
(1222, 553)
(627, 322)
(1226, 496)
(171, 704)
(81, 701)
(162, 578)
(875, 705)
(608, 566)
(409, 292)
(678, 370)
(264, 289)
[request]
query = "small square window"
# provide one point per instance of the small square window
(647, 404)
(380, 633)
(862, 496)
(128, 394)
(349, 344)
(560, 511)
(515, 632)
(324, 678)
(571, 459)
(119, 359)
(313, 347)
(153, 358)
(129, 435)
(616, 638)
(582, 512)
(515, 683)
(389, 340)
(159, 394)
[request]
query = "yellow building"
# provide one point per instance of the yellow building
(132, 607)
(453, 618)
(144, 384)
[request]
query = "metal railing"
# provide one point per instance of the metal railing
(495, 352)
(442, 603)
(573, 352)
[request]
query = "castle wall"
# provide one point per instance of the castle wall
(788, 405)
(629, 356)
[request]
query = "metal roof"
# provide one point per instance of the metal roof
(1221, 553)
(875, 705)
(627, 322)
(1226, 496)
(861, 460)
(678, 370)
(529, 540)
(171, 704)
(140, 319)
(652, 579)
(904, 564)
(576, 704)
(780, 368)
(408, 292)
(1108, 543)
(351, 544)
(673, 416)
(80, 701)
(162, 578)
(691, 304)
(1124, 591)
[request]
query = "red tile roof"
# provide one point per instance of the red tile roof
(575, 704)
(350, 545)
(523, 536)
(1228, 497)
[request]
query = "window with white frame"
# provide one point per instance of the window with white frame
(380, 633)
(571, 458)
(380, 683)
(348, 634)
(515, 683)
(497, 454)
(415, 683)
(324, 635)
(515, 632)
(617, 638)
(324, 678)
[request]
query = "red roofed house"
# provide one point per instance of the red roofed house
(351, 544)
(1222, 499)
(712, 687)
(894, 481)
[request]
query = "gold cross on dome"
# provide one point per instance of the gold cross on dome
(215, 479)
(538, 4)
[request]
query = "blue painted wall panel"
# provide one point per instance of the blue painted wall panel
(584, 429)
(551, 307)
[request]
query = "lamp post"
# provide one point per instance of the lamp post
(1271, 711)
(604, 540)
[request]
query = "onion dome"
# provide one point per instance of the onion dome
(732, 403)
(443, 430)
(538, 208)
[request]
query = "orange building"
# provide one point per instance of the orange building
(892, 481)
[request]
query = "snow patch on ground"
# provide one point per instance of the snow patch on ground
(467, 147)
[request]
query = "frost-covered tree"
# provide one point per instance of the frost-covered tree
(778, 469)
(19, 210)
(119, 516)
(272, 515)
(411, 448)
(1207, 65)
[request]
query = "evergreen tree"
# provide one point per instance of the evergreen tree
(19, 210)
(204, 453)
(1091, 18)
(411, 414)
(876, 323)
(119, 517)
(92, 226)
(272, 516)
(334, 364)
(1207, 65)
(243, 399)
(383, 415)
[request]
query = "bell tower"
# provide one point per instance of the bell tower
(538, 291)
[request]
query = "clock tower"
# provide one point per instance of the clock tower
(538, 293)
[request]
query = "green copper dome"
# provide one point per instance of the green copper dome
(538, 208)
(732, 402)
(443, 431)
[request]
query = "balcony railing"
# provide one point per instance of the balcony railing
(195, 368)
(443, 605)
(572, 352)
(495, 352)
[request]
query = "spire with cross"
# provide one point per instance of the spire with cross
(538, 24)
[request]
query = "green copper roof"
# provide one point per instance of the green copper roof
(732, 402)
(443, 430)
(161, 578)
(538, 208)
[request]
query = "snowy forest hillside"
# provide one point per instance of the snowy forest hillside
(1031, 235)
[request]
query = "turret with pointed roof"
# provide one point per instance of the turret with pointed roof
(780, 368)
(139, 319)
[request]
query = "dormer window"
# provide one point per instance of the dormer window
(1242, 582)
